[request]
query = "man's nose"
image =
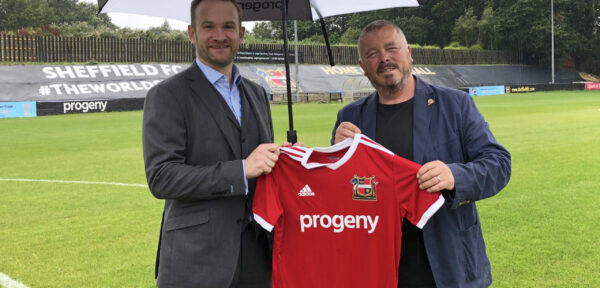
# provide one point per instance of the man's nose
(384, 56)
(219, 34)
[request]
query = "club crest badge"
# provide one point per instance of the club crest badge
(364, 188)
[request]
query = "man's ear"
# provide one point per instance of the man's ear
(361, 67)
(242, 33)
(192, 34)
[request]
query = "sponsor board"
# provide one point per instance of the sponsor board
(17, 109)
(520, 89)
(84, 106)
(92, 106)
(274, 80)
(81, 82)
(486, 90)
(266, 56)
(592, 86)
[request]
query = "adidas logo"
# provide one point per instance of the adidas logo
(306, 191)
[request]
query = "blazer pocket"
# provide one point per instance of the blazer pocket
(472, 251)
(187, 220)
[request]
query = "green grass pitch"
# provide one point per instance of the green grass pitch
(541, 231)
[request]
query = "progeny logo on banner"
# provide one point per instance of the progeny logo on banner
(91, 106)
(257, 5)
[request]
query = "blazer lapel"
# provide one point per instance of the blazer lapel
(211, 98)
(368, 117)
(424, 105)
(250, 96)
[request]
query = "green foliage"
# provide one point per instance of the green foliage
(455, 46)
(465, 29)
(488, 29)
(521, 26)
(84, 29)
(350, 36)
(15, 14)
(312, 40)
(430, 47)
(476, 47)
(417, 29)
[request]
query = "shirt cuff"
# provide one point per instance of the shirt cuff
(245, 179)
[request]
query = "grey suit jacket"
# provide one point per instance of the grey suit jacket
(193, 155)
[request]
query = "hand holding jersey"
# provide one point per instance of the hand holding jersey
(261, 160)
(433, 176)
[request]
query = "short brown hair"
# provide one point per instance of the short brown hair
(195, 4)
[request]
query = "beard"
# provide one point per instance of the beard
(218, 61)
(384, 84)
(204, 53)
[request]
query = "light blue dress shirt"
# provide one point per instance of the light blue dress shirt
(221, 83)
(230, 95)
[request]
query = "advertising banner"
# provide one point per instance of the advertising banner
(592, 86)
(52, 83)
(266, 56)
(520, 89)
(17, 109)
(81, 82)
(486, 90)
(71, 107)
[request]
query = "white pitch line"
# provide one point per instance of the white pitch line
(74, 182)
(7, 282)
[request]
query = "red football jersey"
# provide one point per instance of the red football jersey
(337, 213)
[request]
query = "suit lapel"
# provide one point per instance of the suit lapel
(252, 107)
(368, 118)
(245, 105)
(425, 105)
(210, 97)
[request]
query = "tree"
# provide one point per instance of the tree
(465, 30)
(488, 29)
(263, 30)
(350, 36)
(417, 29)
(17, 14)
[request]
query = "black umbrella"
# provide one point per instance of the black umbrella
(262, 10)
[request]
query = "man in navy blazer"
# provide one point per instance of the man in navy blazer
(442, 129)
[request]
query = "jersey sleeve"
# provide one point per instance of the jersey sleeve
(266, 205)
(419, 204)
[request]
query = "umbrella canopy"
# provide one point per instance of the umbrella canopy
(261, 10)
(254, 10)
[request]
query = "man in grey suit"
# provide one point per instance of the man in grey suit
(207, 134)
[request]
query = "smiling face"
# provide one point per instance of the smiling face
(216, 34)
(385, 58)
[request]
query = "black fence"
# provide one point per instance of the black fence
(304, 97)
(15, 48)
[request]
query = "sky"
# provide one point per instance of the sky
(145, 22)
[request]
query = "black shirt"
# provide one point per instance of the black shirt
(395, 132)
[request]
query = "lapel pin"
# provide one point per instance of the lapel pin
(430, 101)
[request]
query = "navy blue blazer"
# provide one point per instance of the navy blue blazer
(449, 127)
